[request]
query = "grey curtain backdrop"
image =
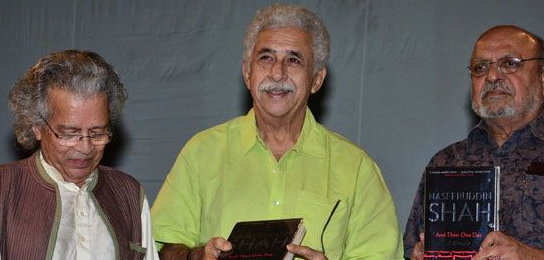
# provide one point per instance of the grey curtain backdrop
(397, 85)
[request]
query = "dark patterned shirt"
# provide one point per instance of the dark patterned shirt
(521, 212)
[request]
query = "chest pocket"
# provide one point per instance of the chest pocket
(315, 210)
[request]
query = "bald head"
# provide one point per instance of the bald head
(510, 88)
(516, 36)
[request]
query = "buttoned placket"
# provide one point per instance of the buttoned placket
(81, 228)
(82, 225)
(78, 211)
(276, 171)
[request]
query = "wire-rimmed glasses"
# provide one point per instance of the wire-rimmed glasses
(66, 139)
(506, 65)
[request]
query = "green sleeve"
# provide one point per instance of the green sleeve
(373, 230)
(176, 211)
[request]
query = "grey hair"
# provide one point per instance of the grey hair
(82, 73)
(280, 16)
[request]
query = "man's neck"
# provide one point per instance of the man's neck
(502, 128)
(279, 133)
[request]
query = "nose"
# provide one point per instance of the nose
(278, 72)
(494, 74)
(84, 145)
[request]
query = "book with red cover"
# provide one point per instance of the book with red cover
(264, 239)
(461, 208)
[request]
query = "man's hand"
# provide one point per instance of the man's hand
(497, 245)
(210, 251)
(306, 252)
(417, 252)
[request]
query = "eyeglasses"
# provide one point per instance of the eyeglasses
(505, 65)
(73, 139)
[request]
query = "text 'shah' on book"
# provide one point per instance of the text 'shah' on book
(264, 239)
(461, 208)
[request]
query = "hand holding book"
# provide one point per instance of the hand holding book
(497, 245)
(210, 250)
(267, 239)
(461, 208)
(306, 252)
(417, 251)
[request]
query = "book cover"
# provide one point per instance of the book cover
(264, 239)
(461, 208)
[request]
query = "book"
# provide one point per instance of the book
(461, 208)
(264, 239)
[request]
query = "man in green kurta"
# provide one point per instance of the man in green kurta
(277, 161)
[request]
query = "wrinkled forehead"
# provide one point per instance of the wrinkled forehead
(503, 43)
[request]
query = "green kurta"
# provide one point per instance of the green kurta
(226, 174)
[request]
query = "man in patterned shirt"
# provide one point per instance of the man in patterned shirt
(507, 75)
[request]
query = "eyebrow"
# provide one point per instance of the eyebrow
(266, 50)
(290, 52)
(66, 127)
(296, 54)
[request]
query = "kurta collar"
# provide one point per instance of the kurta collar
(56, 177)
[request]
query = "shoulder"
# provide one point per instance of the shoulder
(110, 174)
(12, 167)
(16, 168)
(339, 145)
(214, 132)
(450, 154)
(349, 161)
(21, 176)
(218, 134)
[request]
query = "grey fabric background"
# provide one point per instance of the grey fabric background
(397, 85)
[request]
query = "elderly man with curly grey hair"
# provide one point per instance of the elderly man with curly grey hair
(277, 162)
(60, 203)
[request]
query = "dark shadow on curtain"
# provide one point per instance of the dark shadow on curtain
(113, 153)
(16, 152)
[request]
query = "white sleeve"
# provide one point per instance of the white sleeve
(147, 236)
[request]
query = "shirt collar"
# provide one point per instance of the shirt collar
(306, 143)
(56, 176)
(311, 138)
(480, 131)
(249, 136)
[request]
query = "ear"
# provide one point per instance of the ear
(37, 132)
(318, 80)
(542, 72)
(246, 73)
(542, 77)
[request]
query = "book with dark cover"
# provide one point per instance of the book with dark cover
(461, 208)
(265, 239)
